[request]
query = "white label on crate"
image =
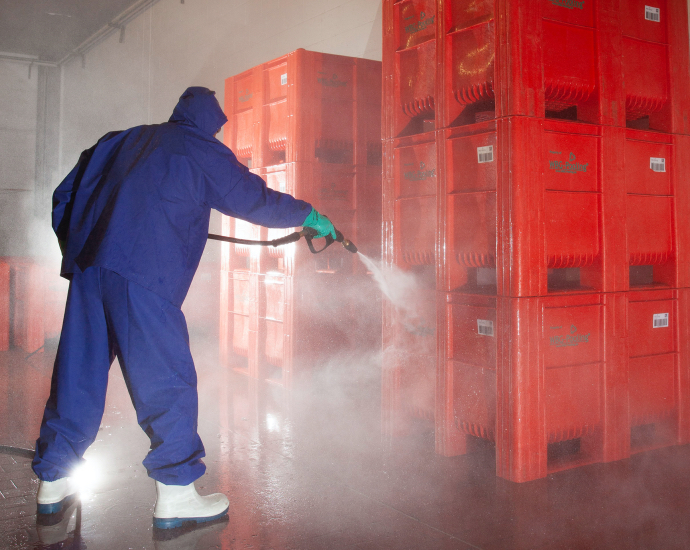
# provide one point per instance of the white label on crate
(658, 165)
(485, 328)
(283, 79)
(660, 320)
(652, 14)
(485, 154)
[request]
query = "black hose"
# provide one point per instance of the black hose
(308, 233)
(16, 451)
(291, 238)
(34, 352)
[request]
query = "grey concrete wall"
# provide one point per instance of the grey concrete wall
(47, 139)
(18, 96)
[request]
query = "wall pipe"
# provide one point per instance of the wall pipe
(118, 23)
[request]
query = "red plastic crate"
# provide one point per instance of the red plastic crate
(562, 195)
(27, 287)
(409, 364)
(305, 106)
(305, 320)
(239, 321)
(550, 78)
(460, 73)
(532, 206)
(683, 373)
(225, 318)
(536, 58)
(655, 63)
(527, 373)
(300, 320)
(242, 299)
(238, 256)
(293, 286)
(276, 345)
(646, 20)
(4, 306)
(321, 114)
(647, 91)
(534, 210)
(56, 289)
(367, 223)
(410, 39)
(655, 165)
(349, 195)
(658, 393)
(32, 302)
(242, 132)
(415, 177)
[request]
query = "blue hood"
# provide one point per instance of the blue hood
(199, 106)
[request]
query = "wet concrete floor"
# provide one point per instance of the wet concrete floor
(307, 470)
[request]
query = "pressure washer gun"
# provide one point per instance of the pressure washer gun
(308, 233)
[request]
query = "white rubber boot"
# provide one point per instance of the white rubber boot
(52, 495)
(180, 504)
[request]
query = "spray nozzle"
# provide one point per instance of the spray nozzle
(350, 246)
(309, 233)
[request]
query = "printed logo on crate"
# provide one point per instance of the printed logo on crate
(570, 166)
(420, 174)
(331, 192)
(244, 96)
(420, 25)
(418, 327)
(330, 82)
(572, 339)
(570, 4)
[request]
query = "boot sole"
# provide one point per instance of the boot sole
(54, 507)
(172, 523)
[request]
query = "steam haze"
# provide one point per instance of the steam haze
(366, 448)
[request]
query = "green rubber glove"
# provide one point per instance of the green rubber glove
(320, 223)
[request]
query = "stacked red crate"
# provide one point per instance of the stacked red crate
(309, 124)
(32, 303)
(534, 159)
(531, 372)
(55, 297)
(608, 62)
(27, 306)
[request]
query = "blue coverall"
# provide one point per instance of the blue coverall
(132, 217)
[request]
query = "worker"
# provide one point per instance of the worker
(132, 220)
